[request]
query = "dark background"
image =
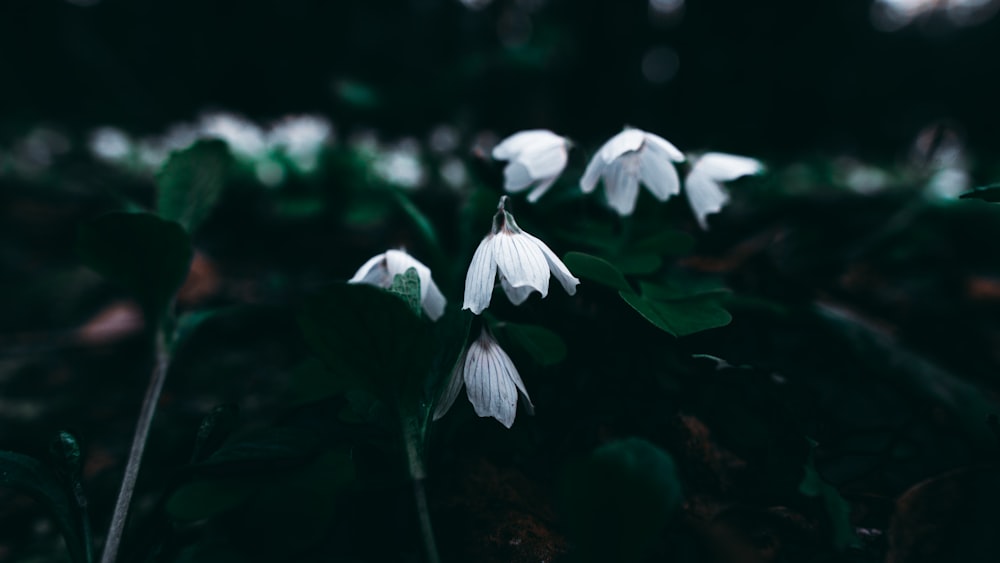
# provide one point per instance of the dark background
(777, 78)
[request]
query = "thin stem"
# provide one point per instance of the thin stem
(118, 518)
(415, 463)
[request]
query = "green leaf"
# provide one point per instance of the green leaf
(673, 243)
(543, 345)
(632, 264)
(837, 509)
(190, 182)
(214, 428)
(989, 193)
(422, 222)
(312, 380)
(371, 333)
(596, 269)
(620, 499)
(678, 291)
(29, 476)
(407, 287)
(144, 253)
(680, 318)
(210, 497)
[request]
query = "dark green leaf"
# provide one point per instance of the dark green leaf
(595, 269)
(989, 193)
(262, 451)
(210, 497)
(190, 182)
(312, 380)
(146, 254)
(27, 475)
(682, 291)
(422, 222)
(214, 428)
(371, 333)
(673, 243)
(543, 345)
(631, 264)
(680, 318)
(620, 500)
(838, 510)
(407, 287)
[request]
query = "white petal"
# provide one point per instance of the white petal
(372, 272)
(525, 140)
(540, 189)
(544, 162)
(658, 174)
(595, 168)
(726, 167)
(705, 195)
(621, 186)
(488, 381)
(516, 177)
(627, 141)
(481, 276)
(663, 146)
(433, 301)
(517, 295)
(450, 393)
(521, 263)
(556, 266)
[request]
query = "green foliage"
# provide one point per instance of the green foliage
(620, 499)
(407, 287)
(989, 193)
(214, 428)
(146, 254)
(596, 269)
(191, 181)
(837, 509)
(543, 345)
(29, 476)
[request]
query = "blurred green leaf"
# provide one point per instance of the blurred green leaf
(312, 380)
(190, 182)
(680, 317)
(677, 290)
(210, 497)
(838, 510)
(407, 287)
(29, 476)
(422, 222)
(144, 253)
(989, 193)
(673, 243)
(620, 499)
(372, 333)
(213, 430)
(264, 450)
(632, 264)
(543, 345)
(596, 269)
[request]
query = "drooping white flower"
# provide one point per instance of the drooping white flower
(703, 183)
(381, 269)
(536, 158)
(628, 158)
(522, 262)
(491, 382)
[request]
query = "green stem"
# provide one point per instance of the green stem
(120, 515)
(413, 442)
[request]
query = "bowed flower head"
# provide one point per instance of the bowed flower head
(490, 379)
(522, 262)
(381, 269)
(536, 158)
(703, 183)
(630, 157)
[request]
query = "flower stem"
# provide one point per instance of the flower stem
(119, 517)
(412, 438)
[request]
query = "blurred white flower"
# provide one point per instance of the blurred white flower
(381, 269)
(703, 183)
(110, 144)
(522, 261)
(401, 165)
(243, 136)
(491, 382)
(628, 158)
(301, 138)
(536, 158)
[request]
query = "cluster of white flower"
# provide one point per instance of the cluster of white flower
(523, 263)
(538, 157)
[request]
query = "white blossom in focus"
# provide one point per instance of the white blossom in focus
(631, 157)
(536, 159)
(522, 262)
(381, 269)
(491, 382)
(703, 183)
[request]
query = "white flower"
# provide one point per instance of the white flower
(522, 261)
(702, 185)
(380, 270)
(537, 158)
(628, 158)
(490, 379)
